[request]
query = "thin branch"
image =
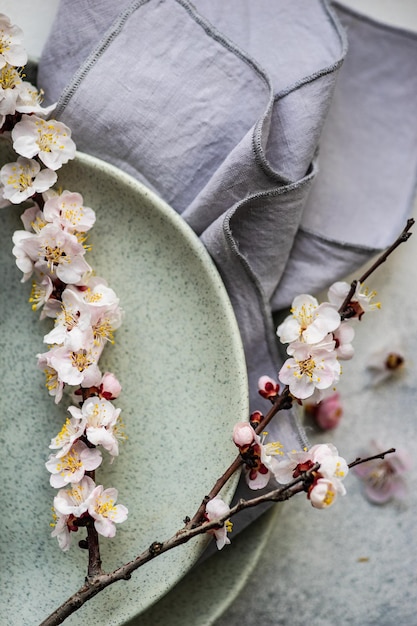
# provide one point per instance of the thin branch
(280, 402)
(99, 582)
(93, 543)
(402, 238)
(94, 559)
(283, 400)
(382, 455)
(93, 586)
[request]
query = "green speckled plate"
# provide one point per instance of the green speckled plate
(180, 360)
(203, 595)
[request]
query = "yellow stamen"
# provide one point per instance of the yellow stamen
(106, 509)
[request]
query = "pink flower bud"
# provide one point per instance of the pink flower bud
(243, 434)
(328, 412)
(110, 387)
(268, 387)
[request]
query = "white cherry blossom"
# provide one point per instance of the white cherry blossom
(41, 293)
(11, 49)
(29, 100)
(103, 305)
(362, 299)
(332, 466)
(311, 367)
(309, 321)
(23, 179)
(10, 80)
(215, 509)
(33, 219)
(71, 466)
(104, 323)
(48, 139)
(65, 366)
(72, 430)
(63, 525)
(56, 253)
(54, 384)
(74, 500)
(97, 294)
(344, 336)
(101, 422)
(67, 210)
(106, 513)
(72, 324)
(23, 260)
(324, 492)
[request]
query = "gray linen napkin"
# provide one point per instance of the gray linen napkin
(292, 158)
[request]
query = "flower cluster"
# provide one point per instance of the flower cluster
(84, 501)
(259, 458)
(51, 251)
(42, 146)
(327, 480)
(261, 461)
(319, 339)
(16, 95)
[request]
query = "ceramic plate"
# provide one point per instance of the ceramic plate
(205, 593)
(180, 360)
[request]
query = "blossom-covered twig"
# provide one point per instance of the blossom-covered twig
(405, 234)
(281, 401)
(51, 251)
(92, 587)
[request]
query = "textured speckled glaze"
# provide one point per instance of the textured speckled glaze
(202, 596)
(181, 363)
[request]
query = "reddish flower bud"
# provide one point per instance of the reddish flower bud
(255, 419)
(268, 388)
(110, 387)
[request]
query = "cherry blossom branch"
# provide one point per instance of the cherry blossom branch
(402, 238)
(283, 400)
(100, 581)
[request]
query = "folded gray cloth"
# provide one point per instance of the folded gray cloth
(293, 159)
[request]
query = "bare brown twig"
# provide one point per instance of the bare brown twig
(402, 238)
(382, 455)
